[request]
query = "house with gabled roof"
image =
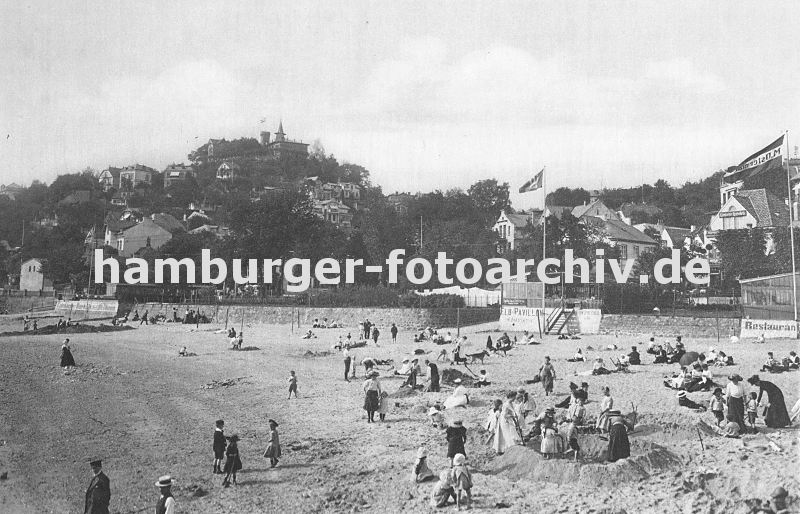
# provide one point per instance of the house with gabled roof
(751, 208)
(508, 226)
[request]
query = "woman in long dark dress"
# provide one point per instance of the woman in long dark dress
(232, 463)
(547, 374)
(777, 416)
(456, 436)
(66, 355)
(619, 447)
(734, 393)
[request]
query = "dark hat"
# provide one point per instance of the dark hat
(614, 413)
(584, 384)
(95, 462)
(219, 422)
(233, 438)
(735, 377)
(754, 379)
(633, 348)
(273, 422)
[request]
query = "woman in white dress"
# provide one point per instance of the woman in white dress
(506, 432)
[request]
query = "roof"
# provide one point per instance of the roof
(332, 203)
(620, 231)
(115, 225)
(559, 210)
(581, 210)
(758, 279)
(40, 261)
(168, 222)
(518, 220)
(280, 128)
(677, 234)
(765, 207)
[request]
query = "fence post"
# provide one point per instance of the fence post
(458, 321)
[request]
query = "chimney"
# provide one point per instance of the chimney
(264, 138)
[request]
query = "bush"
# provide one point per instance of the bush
(432, 301)
(358, 296)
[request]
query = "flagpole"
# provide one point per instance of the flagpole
(791, 227)
(544, 231)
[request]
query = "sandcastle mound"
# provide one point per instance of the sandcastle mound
(647, 458)
(450, 375)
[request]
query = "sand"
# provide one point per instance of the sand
(148, 412)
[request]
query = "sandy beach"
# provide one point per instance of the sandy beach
(133, 402)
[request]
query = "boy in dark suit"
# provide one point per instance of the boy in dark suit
(219, 446)
(98, 494)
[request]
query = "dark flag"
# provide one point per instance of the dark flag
(766, 160)
(534, 183)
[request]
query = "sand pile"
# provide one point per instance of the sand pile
(592, 471)
(323, 353)
(450, 375)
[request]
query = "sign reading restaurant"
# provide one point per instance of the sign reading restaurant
(770, 328)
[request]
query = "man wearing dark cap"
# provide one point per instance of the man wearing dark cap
(98, 494)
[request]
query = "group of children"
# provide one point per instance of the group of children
(455, 483)
(717, 405)
(226, 448)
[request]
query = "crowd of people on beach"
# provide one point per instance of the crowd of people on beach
(554, 431)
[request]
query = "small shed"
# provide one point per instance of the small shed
(770, 297)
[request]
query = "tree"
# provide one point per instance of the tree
(490, 198)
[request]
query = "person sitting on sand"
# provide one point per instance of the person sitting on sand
(577, 411)
(792, 361)
(405, 368)
(685, 401)
(760, 339)
(459, 398)
(443, 490)
(422, 473)
(436, 415)
(771, 364)
(634, 358)
(483, 380)
(661, 356)
(569, 400)
(309, 335)
(183, 352)
(730, 428)
(578, 357)
(723, 359)
(599, 367)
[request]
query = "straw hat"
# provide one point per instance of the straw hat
(422, 453)
(681, 394)
(457, 381)
(165, 481)
(459, 459)
(457, 423)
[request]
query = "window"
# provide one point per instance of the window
(635, 251)
(623, 251)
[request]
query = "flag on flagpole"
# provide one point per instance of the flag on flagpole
(534, 183)
(769, 158)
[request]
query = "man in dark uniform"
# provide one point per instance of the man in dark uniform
(98, 495)
(394, 333)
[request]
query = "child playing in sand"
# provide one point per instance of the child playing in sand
(443, 490)
(462, 480)
(422, 472)
(273, 452)
(292, 384)
(752, 410)
(716, 405)
(483, 380)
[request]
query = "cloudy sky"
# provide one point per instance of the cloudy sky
(424, 94)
